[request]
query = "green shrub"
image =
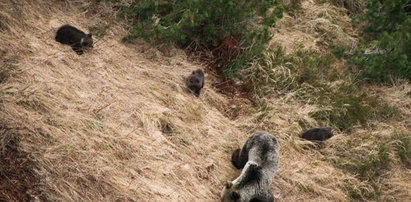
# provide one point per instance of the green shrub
(388, 31)
(384, 16)
(235, 32)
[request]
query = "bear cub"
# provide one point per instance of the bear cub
(195, 82)
(259, 159)
(77, 39)
(317, 134)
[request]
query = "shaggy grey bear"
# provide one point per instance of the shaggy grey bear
(259, 159)
(195, 82)
(317, 134)
(74, 37)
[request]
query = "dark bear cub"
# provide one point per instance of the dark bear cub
(77, 39)
(258, 159)
(317, 134)
(195, 82)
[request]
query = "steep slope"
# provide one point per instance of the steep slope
(368, 156)
(116, 124)
(92, 124)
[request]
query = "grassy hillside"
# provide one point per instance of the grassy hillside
(117, 124)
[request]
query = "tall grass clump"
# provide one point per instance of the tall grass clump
(313, 78)
(286, 72)
(233, 33)
(293, 7)
(368, 169)
(403, 148)
(348, 105)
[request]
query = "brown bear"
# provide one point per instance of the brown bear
(195, 82)
(259, 159)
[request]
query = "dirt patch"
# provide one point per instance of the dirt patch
(239, 97)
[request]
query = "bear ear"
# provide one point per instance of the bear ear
(235, 195)
(228, 184)
(90, 35)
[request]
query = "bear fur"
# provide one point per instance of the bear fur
(195, 82)
(77, 39)
(317, 134)
(259, 161)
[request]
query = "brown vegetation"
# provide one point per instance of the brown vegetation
(116, 124)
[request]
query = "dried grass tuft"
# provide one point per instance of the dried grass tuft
(316, 27)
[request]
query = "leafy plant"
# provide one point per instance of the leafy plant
(235, 32)
(387, 29)
(384, 16)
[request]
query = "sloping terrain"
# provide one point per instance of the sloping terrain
(117, 124)
(93, 123)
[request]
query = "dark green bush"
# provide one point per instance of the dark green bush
(388, 33)
(384, 16)
(235, 32)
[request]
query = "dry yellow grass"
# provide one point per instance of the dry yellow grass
(93, 121)
(314, 27)
(92, 124)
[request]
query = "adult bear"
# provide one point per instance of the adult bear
(259, 159)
